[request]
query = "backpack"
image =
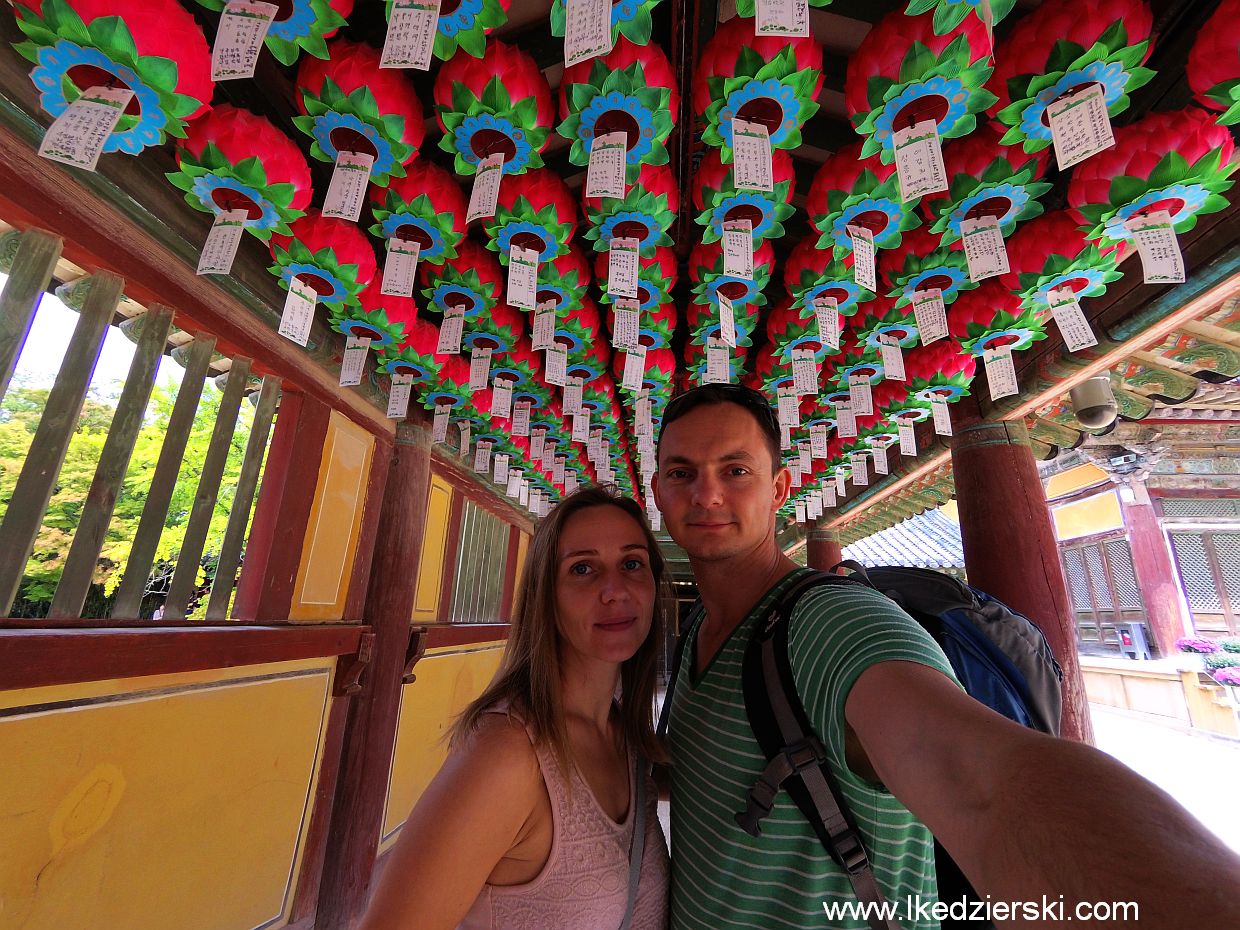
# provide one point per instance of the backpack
(1000, 657)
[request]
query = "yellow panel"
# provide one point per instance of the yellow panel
(167, 801)
(434, 542)
(1074, 479)
(1095, 514)
(447, 680)
(523, 548)
(335, 522)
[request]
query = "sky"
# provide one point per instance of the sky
(49, 338)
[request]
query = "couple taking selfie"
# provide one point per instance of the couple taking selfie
(543, 817)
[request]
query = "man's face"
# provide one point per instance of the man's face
(716, 486)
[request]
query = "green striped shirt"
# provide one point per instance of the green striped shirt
(724, 879)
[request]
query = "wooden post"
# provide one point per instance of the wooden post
(1157, 578)
(37, 255)
(278, 532)
(243, 500)
(366, 760)
(822, 548)
(128, 603)
(1010, 550)
(105, 487)
(35, 484)
(506, 597)
(186, 574)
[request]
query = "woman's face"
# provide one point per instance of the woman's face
(604, 590)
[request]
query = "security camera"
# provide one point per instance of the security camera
(1093, 402)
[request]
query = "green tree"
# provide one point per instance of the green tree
(19, 418)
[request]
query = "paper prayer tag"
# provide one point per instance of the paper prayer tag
(347, 191)
(522, 277)
(782, 18)
(298, 313)
(501, 398)
(908, 437)
(827, 312)
(479, 369)
(608, 161)
(239, 39)
(804, 371)
(789, 408)
(718, 362)
(942, 417)
(893, 358)
(861, 394)
(220, 249)
(587, 30)
(627, 324)
(919, 160)
(439, 426)
(556, 369)
(398, 397)
(484, 195)
(354, 363)
(845, 421)
(1162, 262)
(622, 268)
(634, 368)
(738, 249)
(1080, 125)
(451, 331)
(931, 315)
(410, 35)
(727, 322)
(984, 248)
(400, 267)
(1000, 372)
(1070, 318)
(751, 157)
(78, 135)
(864, 271)
(879, 454)
(543, 335)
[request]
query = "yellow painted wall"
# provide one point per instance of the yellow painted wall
(523, 549)
(1074, 479)
(434, 542)
(171, 801)
(447, 680)
(1096, 514)
(335, 522)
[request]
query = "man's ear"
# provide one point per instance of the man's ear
(783, 487)
(654, 486)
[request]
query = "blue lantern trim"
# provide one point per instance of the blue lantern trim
(1111, 76)
(744, 199)
(462, 140)
(650, 239)
(906, 332)
(330, 121)
(773, 89)
(503, 239)
(434, 253)
(631, 106)
(462, 19)
(1017, 194)
(205, 184)
(1193, 195)
(360, 329)
(882, 239)
(952, 90)
(439, 295)
(339, 294)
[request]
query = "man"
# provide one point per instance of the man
(1025, 815)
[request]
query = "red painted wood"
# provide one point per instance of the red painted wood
(357, 820)
(35, 658)
(1010, 550)
(822, 549)
(359, 578)
(452, 546)
(278, 531)
(464, 634)
(1157, 578)
(465, 481)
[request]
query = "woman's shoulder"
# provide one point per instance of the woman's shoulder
(500, 742)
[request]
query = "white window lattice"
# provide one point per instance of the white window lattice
(1196, 573)
(1197, 507)
(1078, 587)
(1127, 594)
(1098, 578)
(1227, 551)
(479, 577)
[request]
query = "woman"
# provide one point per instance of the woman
(531, 822)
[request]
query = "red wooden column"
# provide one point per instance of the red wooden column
(1009, 541)
(822, 548)
(357, 819)
(1165, 611)
(273, 552)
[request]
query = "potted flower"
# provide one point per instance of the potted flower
(1198, 645)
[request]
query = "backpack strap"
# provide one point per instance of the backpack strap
(797, 759)
(677, 659)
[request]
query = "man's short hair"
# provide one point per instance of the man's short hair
(709, 395)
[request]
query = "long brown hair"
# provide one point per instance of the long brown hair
(529, 674)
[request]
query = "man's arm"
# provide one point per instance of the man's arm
(1025, 814)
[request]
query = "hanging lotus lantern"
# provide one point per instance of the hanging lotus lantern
(329, 255)
(499, 329)
(471, 280)
(992, 317)
(987, 178)
(767, 368)
(897, 404)
(811, 273)
(645, 213)
(535, 210)
(903, 73)
(379, 317)
(465, 24)
(1177, 161)
(300, 24)
(564, 281)
(940, 371)
(496, 104)
(660, 366)
(787, 331)
(154, 49)
(855, 358)
(425, 206)
(948, 14)
(1214, 66)
(630, 19)
(885, 317)
(921, 263)
(719, 202)
(695, 363)
(772, 80)
(579, 328)
(522, 368)
(851, 191)
(1060, 47)
(350, 104)
(655, 326)
(232, 159)
(415, 356)
(632, 89)
(704, 323)
(709, 280)
(451, 388)
(1052, 252)
(877, 431)
(656, 276)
